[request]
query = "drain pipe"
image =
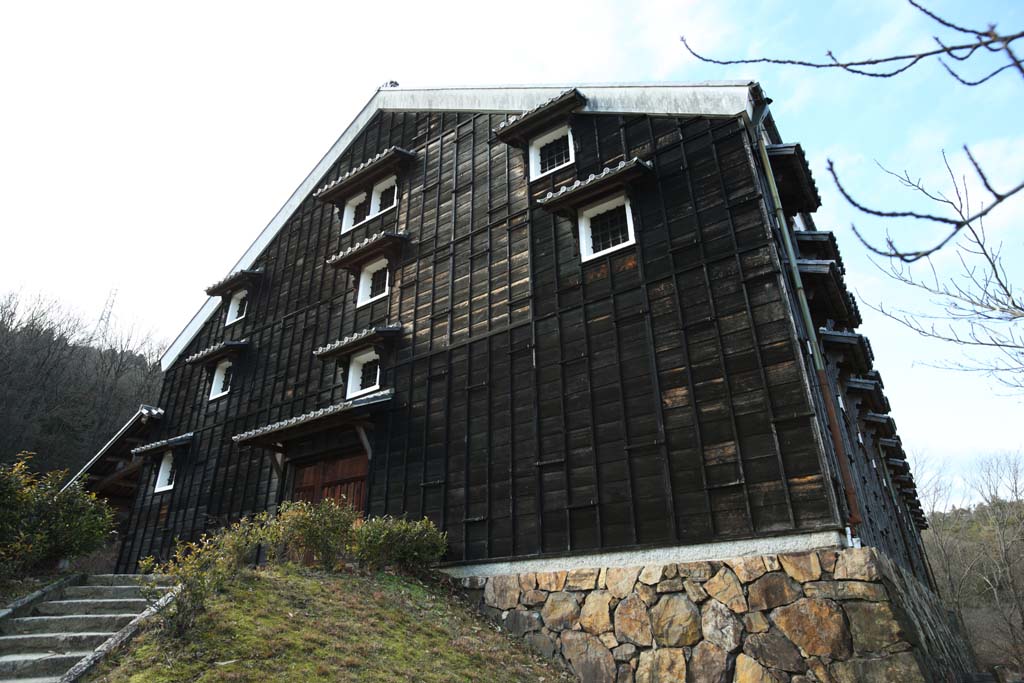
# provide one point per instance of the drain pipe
(819, 365)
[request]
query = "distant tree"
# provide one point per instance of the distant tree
(67, 385)
(976, 552)
(974, 305)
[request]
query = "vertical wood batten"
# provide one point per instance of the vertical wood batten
(514, 353)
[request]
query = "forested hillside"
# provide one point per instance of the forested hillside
(976, 552)
(66, 383)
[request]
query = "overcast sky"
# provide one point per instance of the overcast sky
(143, 146)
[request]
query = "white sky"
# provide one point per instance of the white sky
(144, 146)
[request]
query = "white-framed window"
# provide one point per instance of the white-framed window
(366, 205)
(551, 151)
(374, 282)
(222, 376)
(605, 227)
(237, 306)
(165, 475)
(363, 373)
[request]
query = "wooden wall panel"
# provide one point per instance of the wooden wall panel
(652, 396)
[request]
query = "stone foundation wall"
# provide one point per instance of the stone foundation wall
(831, 616)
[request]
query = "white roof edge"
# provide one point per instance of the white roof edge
(712, 98)
(143, 411)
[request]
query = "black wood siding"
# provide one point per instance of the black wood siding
(652, 396)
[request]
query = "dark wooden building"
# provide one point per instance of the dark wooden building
(552, 321)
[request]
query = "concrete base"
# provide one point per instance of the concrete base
(720, 550)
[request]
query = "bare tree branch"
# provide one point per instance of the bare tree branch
(983, 41)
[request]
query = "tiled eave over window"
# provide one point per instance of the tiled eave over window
(797, 189)
(371, 336)
(240, 279)
(819, 244)
(386, 243)
(111, 466)
(829, 297)
(519, 129)
(856, 349)
(172, 442)
(883, 425)
(897, 464)
(380, 166)
(870, 390)
(313, 421)
(596, 186)
(212, 354)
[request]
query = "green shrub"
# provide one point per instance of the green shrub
(308, 532)
(412, 546)
(238, 543)
(198, 569)
(201, 568)
(41, 524)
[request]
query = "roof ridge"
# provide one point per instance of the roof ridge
(704, 98)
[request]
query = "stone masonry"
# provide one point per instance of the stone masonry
(827, 616)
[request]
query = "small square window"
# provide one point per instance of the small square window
(551, 151)
(365, 205)
(384, 195)
(554, 154)
(355, 212)
(378, 282)
(360, 211)
(605, 227)
(369, 374)
(374, 282)
(165, 475)
(363, 373)
(222, 377)
(237, 307)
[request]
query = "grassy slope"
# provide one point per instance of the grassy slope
(298, 625)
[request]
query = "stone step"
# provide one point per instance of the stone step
(104, 592)
(71, 623)
(44, 679)
(52, 642)
(126, 580)
(24, 665)
(90, 606)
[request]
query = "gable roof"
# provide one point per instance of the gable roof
(136, 423)
(712, 98)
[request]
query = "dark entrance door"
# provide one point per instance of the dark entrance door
(341, 477)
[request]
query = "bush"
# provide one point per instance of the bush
(319, 533)
(198, 569)
(41, 524)
(202, 568)
(238, 544)
(412, 546)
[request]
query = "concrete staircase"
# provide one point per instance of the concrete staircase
(42, 641)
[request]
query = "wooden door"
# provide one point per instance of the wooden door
(342, 478)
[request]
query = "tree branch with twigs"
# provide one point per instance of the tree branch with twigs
(975, 305)
(966, 53)
(979, 308)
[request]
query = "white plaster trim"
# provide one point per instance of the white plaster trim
(166, 465)
(587, 252)
(719, 550)
(233, 316)
(542, 140)
(218, 380)
(348, 218)
(355, 371)
(366, 280)
(714, 98)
